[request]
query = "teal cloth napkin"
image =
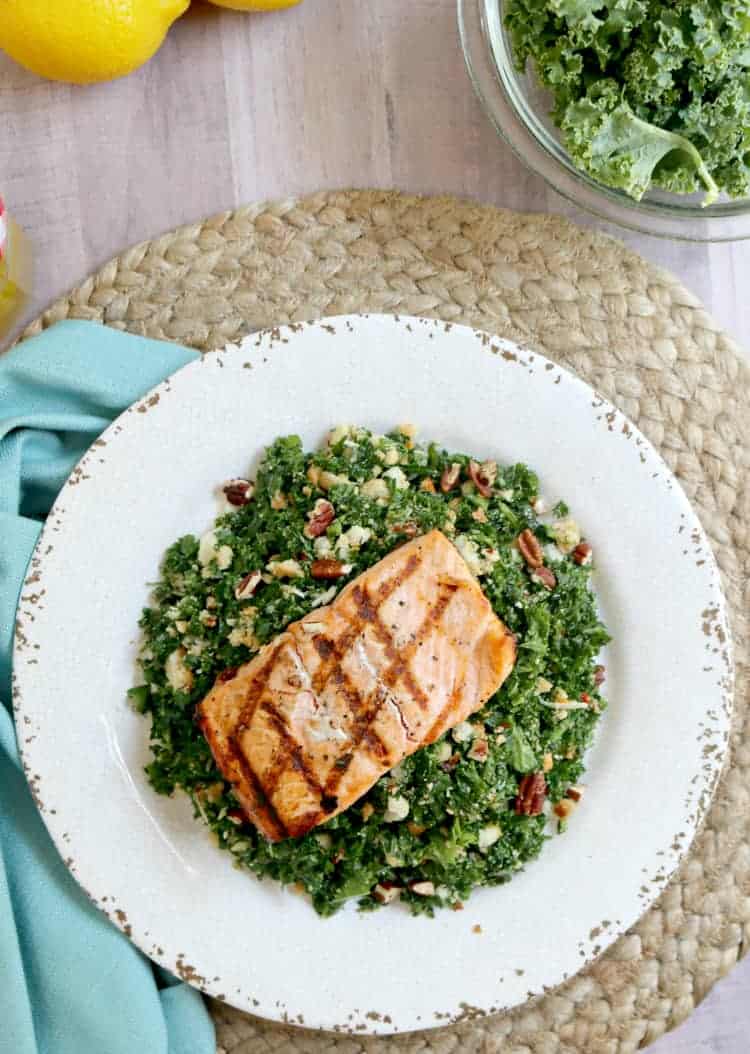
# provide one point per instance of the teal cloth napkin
(70, 983)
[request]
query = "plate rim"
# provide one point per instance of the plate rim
(508, 349)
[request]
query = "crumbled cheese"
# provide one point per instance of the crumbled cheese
(423, 889)
(552, 554)
(354, 538)
(488, 835)
(539, 505)
(324, 840)
(180, 677)
(338, 433)
(375, 490)
(444, 751)
(224, 557)
(507, 495)
(396, 809)
(181, 626)
(408, 430)
(206, 548)
(243, 632)
(292, 591)
(330, 479)
(567, 534)
(398, 476)
(463, 732)
(285, 569)
(322, 547)
(318, 599)
(470, 552)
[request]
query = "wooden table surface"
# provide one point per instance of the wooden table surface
(238, 108)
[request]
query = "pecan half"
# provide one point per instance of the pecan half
(531, 794)
(479, 480)
(409, 529)
(320, 517)
(247, 586)
(600, 675)
(329, 569)
(582, 554)
(530, 549)
(238, 491)
(450, 477)
(545, 576)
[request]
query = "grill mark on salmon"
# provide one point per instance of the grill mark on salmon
(306, 707)
(290, 752)
(263, 803)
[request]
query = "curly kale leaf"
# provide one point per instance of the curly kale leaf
(614, 146)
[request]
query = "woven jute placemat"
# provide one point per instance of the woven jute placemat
(626, 327)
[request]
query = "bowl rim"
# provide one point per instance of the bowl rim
(495, 80)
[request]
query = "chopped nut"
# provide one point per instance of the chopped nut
(600, 675)
(564, 808)
(476, 928)
(278, 501)
(543, 685)
(423, 889)
(313, 474)
(479, 515)
(547, 763)
(450, 477)
(208, 619)
(238, 491)
(583, 554)
(571, 753)
(428, 486)
(246, 586)
(319, 518)
(574, 793)
(285, 569)
(367, 810)
(545, 577)
(479, 479)
(327, 480)
(181, 625)
(386, 892)
(479, 750)
(329, 569)
(532, 791)
(560, 697)
(415, 828)
(211, 602)
(530, 548)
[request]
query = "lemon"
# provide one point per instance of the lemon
(82, 41)
(254, 5)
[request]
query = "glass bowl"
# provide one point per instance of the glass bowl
(518, 107)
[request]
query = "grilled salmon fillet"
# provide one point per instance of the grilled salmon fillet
(406, 651)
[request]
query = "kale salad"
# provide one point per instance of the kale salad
(470, 809)
(645, 92)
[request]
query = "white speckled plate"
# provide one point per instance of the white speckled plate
(153, 868)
